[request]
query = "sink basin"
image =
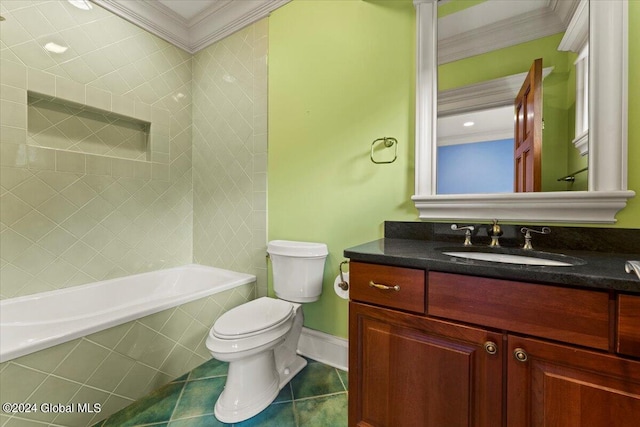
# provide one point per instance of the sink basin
(513, 256)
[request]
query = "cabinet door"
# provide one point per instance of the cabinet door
(407, 370)
(556, 385)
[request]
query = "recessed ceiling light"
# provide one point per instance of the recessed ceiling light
(81, 4)
(468, 124)
(55, 48)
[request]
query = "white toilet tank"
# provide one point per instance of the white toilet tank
(298, 268)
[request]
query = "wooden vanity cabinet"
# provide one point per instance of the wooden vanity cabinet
(408, 370)
(565, 386)
(488, 352)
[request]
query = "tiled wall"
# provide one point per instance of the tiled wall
(73, 214)
(230, 153)
(74, 211)
(55, 124)
(116, 366)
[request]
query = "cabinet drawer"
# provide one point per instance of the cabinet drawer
(409, 283)
(565, 314)
(628, 339)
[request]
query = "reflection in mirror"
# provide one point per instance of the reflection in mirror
(607, 85)
(479, 150)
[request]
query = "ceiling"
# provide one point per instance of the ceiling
(188, 9)
(191, 24)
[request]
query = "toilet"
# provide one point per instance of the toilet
(259, 339)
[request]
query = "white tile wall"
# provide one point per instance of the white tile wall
(69, 215)
(74, 209)
(229, 147)
(116, 366)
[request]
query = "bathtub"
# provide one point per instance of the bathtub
(36, 322)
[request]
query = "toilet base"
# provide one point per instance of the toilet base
(238, 403)
(292, 370)
(241, 399)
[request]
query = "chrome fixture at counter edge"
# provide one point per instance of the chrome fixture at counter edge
(527, 235)
(467, 234)
(633, 267)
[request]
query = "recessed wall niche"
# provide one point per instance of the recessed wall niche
(64, 125)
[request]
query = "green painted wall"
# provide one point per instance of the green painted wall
(341, 74)
(630, 216)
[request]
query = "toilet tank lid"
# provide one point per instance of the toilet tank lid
(297, 249)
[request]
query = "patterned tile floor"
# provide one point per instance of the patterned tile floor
(316, 397)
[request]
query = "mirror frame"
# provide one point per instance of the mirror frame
(607, 194)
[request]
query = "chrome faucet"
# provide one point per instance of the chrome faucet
(495, 232)
(467, 235)
(527, 235)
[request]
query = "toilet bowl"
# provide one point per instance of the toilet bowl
(247, 337)
(259, 339)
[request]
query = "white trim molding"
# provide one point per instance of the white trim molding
(220, 20)
(508, 27)
(494, 93)
(608, 193)
(325, 348)
(598, 207)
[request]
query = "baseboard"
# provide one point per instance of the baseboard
(324, 348)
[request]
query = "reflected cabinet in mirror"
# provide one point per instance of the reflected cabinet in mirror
(521, 111)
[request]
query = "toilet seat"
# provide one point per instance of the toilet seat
(250, 326)
(255, 317)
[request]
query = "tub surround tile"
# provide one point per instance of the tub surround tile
(209, 369)
(150, 224)
(156, 407)
(118, 365)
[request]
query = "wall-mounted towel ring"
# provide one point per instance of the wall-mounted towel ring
(386, 142)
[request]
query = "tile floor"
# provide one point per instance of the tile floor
(316, 397)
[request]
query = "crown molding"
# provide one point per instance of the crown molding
(218, 21)
(577, 34)
(550, 19)
(484, 95)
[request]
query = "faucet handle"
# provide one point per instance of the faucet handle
(527, 235)
(467, 235)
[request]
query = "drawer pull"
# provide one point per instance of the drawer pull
(384, 287)
(491, 347)
(520, 355)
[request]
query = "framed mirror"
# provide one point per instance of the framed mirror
(607, 190)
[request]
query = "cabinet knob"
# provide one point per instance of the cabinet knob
(520, 355)
(491, 347)
(384, 287)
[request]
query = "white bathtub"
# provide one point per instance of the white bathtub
(36, 322)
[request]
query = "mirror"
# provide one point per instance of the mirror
(489, 48)
(607, 187)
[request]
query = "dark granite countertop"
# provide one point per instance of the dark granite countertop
(602, 270)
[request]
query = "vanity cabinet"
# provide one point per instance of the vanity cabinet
(486, 352)
(557, 385)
